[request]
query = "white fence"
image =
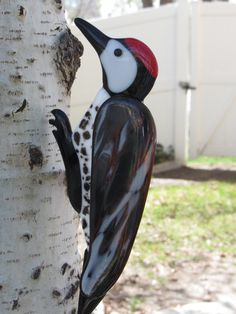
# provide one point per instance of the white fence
(194, 44)
(213, 71)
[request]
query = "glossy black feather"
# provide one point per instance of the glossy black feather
(123, 153)
(63, 136)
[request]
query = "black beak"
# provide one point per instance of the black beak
(96, 38)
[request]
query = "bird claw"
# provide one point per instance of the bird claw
(61, 122)
(63, 136)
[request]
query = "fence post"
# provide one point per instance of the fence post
(181, 128)
(196, 30)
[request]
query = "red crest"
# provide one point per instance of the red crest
(144, 54)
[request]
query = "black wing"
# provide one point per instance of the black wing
(63, 136)
(123, 153)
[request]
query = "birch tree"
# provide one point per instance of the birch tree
(39, 259)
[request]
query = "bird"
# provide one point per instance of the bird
(109, 158)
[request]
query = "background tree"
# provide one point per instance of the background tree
(82, 8)
(163, 2)
(38, 228)
(149, 3)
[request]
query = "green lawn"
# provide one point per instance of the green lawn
(184, 221)
(213, 161)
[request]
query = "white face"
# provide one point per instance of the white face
(120, 66)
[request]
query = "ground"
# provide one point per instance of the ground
(207, 277)
(212, 278)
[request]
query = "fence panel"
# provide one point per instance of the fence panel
(213, 115)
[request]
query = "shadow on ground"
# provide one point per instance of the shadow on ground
(199, 174)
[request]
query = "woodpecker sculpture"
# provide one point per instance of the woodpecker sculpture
(109, 158)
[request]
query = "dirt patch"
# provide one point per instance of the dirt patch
(207, 279)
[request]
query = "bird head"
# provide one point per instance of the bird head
(129, 66)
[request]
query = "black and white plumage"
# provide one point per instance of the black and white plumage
(82, 139)
(114, 144)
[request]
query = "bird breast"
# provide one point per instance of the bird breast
(82, 140)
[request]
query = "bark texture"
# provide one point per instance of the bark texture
(39, 259)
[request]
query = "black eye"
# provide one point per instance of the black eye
(118, 52)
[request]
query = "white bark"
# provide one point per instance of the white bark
(39, 260)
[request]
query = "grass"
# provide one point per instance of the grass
(183, 221)
(213, 161)
(135, 304)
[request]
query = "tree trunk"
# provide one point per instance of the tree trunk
(162, 2)
(39, 259)
(147, 3)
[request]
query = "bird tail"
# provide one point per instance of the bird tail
(87, 305)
